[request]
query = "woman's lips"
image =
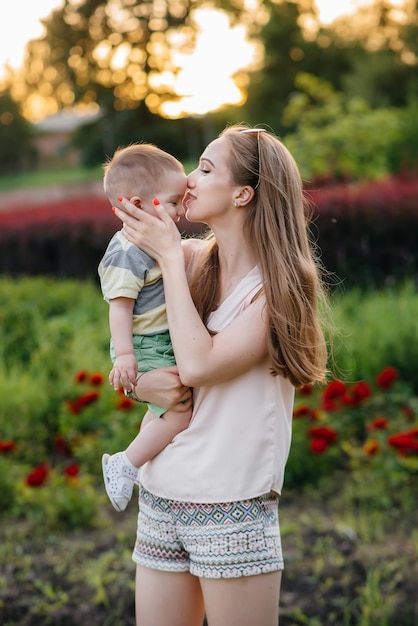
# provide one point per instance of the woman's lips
(187, 198)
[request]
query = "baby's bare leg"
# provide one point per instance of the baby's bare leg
(155, 435)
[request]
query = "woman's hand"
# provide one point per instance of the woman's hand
(157, 236)
(163, 387)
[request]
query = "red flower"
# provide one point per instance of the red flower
(73, 406)
(406, 442)
(379, 423)
(386, 377)
(335, 389)
(318, 445)
(72, 470)
(326, 433)
(306, 390)
(329, 405)
(125, 404)
(361, 390)
(97, 379)
(349, 400)
(87, 398)
(302, 410)
(371, 446)
(7, 445)
(80, 376)
(62, 446)
(38, 476)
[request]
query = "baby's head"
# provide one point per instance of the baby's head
(142, 172)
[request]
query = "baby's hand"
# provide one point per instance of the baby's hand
(124, 372)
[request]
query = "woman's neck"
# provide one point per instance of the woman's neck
(236, 259)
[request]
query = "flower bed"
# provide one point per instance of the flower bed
(365, 232)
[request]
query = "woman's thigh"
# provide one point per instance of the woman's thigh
(167, 598)
(244, 601)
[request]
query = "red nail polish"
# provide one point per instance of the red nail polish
(120, 198)
(155, 202)
(113, 209)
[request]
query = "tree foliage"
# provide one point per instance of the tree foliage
(16, 136)
(342, 138)
(288, 52)
(121, 56)
(117, 53)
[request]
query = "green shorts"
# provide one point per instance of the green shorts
(151, 352)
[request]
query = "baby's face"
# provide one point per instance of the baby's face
(170, 194)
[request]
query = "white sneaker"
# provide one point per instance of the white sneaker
(119, 476)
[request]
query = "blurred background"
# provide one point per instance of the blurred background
(79, 78)
(337, 80)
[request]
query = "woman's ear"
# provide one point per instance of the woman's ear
(136, 200)
(244, 196)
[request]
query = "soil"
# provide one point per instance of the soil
(331, 577)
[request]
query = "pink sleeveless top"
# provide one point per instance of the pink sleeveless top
(238, 440)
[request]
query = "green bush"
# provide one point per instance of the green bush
(367, 428)
(58, 414)
(375, 329)
(349, 483)
(339, 138)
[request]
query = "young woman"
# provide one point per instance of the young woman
(242, 308)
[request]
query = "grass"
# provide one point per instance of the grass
(350, 543)
(50, 177)
(376, 328)
(58, 176)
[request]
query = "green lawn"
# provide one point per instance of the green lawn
(58, 176)
(47, 177)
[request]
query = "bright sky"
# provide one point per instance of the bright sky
(19, 22)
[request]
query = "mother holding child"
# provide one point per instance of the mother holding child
(243, 314)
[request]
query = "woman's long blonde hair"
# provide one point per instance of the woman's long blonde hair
(277, 226)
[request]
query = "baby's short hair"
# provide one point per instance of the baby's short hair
(137, 168)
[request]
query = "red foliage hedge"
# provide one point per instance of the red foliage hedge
(366, 234)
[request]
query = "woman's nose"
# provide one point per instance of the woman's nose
(190, 179)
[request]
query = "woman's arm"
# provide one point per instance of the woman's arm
(202, 359)
(163, 387)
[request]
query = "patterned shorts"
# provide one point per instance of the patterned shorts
(224, 540)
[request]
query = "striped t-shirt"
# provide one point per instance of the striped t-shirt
(128, 272)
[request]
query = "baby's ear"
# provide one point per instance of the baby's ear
(136, 200)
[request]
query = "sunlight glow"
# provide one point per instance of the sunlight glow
(20, 22)
(205, 80)
(329, 10)
(211, 76)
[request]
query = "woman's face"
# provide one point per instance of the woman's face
(210, 188)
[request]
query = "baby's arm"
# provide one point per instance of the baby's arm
(155, 435)
(125, 368)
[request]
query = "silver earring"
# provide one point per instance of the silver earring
(235, 203)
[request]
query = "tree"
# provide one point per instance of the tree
(289, 51)
(339, 138)
(117, 53)
(384, 63)
(17, 151)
